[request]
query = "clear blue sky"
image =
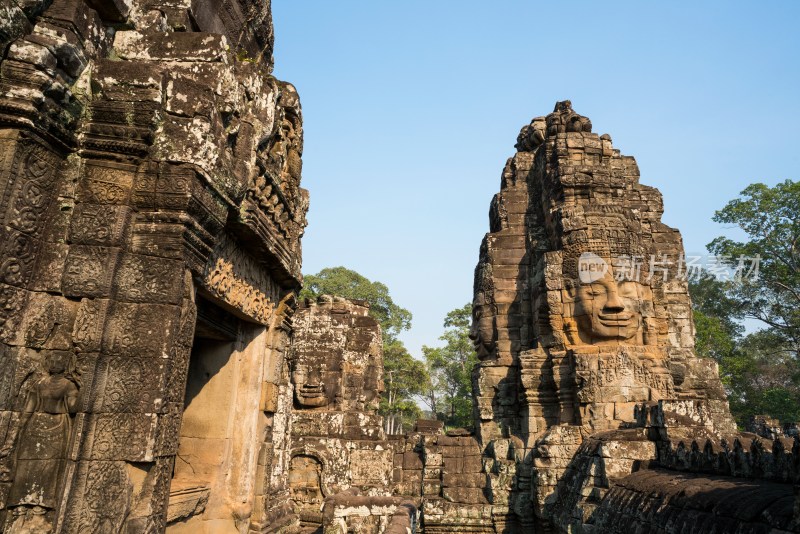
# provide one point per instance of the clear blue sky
(412, 108)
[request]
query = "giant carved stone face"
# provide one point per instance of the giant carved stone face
(607, 310)
(483, 332)
(315, 381)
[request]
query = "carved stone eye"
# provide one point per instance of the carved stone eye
(596, 291)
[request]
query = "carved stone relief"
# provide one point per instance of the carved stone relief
(39, 444)
(122, 195)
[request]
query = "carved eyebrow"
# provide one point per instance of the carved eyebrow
(600, 283)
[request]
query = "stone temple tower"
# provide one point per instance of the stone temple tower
(581, 310)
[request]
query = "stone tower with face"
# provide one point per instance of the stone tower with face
(336, 360)
(580, 312)
(338, 440)
(579, 307)
(609, 296)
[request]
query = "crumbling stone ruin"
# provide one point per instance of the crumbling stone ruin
(345, 474)
(157, 373)
(766, 427)
(150, 223)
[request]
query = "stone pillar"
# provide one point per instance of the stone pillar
(338, 439)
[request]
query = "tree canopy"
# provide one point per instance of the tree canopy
(344, 282)
(760, 369)
(770, 217)
(450, 366)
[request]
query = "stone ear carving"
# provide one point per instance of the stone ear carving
(570, 290)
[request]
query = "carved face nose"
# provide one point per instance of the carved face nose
(313, 378)
(614, 304)
(473, 331)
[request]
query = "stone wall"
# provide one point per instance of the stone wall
(351, 514)
(454, 485)
(662, 501)
(150, 210)
(689, 478)
(345, 473)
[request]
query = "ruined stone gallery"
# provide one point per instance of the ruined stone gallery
(158, 373)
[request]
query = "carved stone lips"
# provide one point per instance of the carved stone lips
(312, 395)
(312, 391)
(620, 319)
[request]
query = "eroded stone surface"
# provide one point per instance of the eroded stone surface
(150, 222)
(338, 442)
(665, 501)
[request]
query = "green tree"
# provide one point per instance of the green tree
(344, 282)
(450, 366)
(716, 317)
(764, 378)
(718, 335)
(758, 374)
(404, 379)
(760, 370)
(770, 217)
